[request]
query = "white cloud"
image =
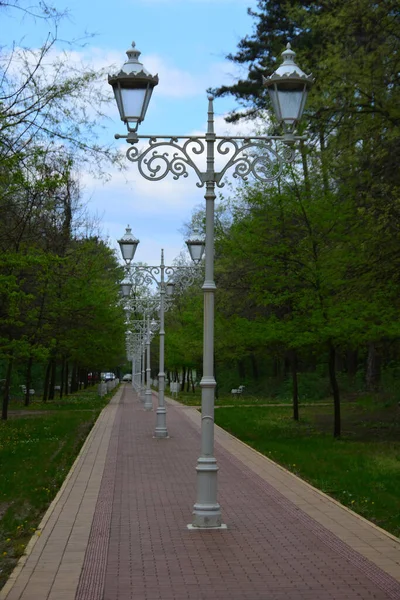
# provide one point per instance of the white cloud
(174, 82)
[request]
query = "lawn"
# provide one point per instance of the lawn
(37, 448)
(361, 470)
(190, 399)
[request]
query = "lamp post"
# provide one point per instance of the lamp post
(146, 330)
(288, 87)
(166, 287)
(133, 347)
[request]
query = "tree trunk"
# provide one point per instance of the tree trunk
(6, 390)
(66, 385)
(373, 372)
(62, 378)
(352, 363)
(295, 388)
(242, 371)
(74, 377)
(254, 365)
(188, 380)
(28, 381)
(192, 382)
(335, 391)
(46, 382)
(276, 367)
(52, 382)
(183, 378)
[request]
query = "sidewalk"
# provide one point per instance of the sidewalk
(117, 528)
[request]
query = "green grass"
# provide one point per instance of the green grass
(361, 470)
(190, 399)
(37, 448)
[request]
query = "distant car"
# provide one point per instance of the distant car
(127, 377)
(107, 376)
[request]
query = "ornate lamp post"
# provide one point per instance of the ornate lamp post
(157, 275)
(146, 329)
(133, 351)
(256, 155)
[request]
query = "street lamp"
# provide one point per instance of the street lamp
(146, 331)
(196, 247)
(149, 274)
(132, 87)
(128, 244)
(144, 306)
(288, 88)
(256, 155)
(133, 350)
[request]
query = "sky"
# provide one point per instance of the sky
(185, 42)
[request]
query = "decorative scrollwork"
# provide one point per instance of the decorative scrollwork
(182, 276)
(154, 164)
(253, 157)
(256, 155)
(147, 306)
(142, 275)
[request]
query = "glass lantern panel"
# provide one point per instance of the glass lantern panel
(196, 251)
(126, 289)
(132, 101)
(273, 94)
(290, 102)
(149, 92)
(128, 250)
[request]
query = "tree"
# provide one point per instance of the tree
(45, 97)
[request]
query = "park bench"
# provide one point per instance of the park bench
(238, 391)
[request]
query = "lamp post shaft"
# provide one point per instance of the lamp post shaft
(143, 385)
(161, 416)
(148, 402)
(207, 511)
(136, 377)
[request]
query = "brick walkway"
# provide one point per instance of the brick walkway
(117, 530)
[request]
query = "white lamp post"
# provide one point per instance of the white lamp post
(143, 379)
(148, 274)
(148, 397)
(254, 155)
(144, 327)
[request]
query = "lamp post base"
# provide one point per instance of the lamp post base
(192, 527)
(161, 425)
(148, 400)
(207, 511)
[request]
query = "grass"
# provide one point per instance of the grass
(38, 445)
(361, 470)
(190, 399)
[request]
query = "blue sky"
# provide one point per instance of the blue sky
(186, 42)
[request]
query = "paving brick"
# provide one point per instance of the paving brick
(271, 550)
(117, 530)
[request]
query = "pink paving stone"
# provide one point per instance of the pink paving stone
(140, 548)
